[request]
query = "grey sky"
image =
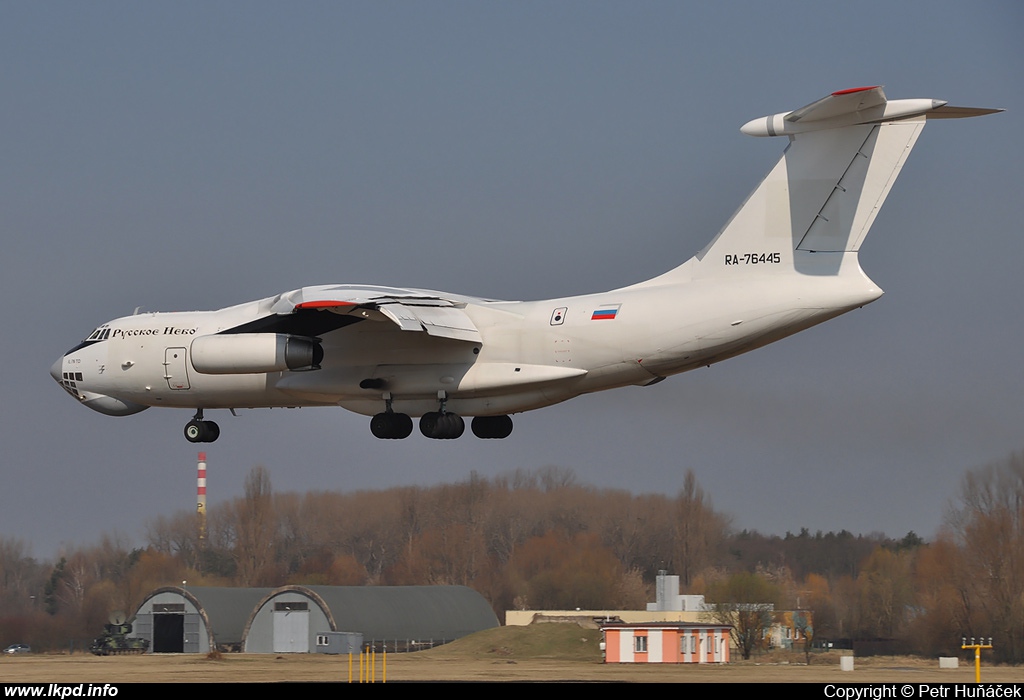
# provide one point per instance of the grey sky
(196, 155)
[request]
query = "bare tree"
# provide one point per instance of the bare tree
(256, 528)
(988, 526)
(887, 592)
(21, 577)
(747, 602)
(699, 530)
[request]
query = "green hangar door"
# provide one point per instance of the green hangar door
(291, 627)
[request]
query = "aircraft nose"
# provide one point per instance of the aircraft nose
(55, 369)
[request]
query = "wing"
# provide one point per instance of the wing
(411, 310)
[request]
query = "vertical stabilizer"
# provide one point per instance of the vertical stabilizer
(821, 196)
(815, 207)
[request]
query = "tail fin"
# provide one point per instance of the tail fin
(844, 155)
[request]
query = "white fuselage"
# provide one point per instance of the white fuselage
(532, 354)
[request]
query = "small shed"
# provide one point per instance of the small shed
(339, 643)
(666, 643)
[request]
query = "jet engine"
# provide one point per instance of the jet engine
(255, 353)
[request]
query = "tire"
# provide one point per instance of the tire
(492, 427)
(442, 426)
(502, 427)
(194, 431)
(429, 424)
(454, 426)
(380, 426)
(402, 425)
(212, 431)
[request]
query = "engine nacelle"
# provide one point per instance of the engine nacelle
(255, 353)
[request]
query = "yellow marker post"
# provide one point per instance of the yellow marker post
(368, 666)
(977, 654)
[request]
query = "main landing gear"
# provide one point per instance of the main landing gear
(437, 425)
(199, 430)
(441, 425)
(391, 426)
(492, 427)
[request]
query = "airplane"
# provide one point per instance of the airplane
(786, 260)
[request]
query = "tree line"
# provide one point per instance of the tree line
(544, 540)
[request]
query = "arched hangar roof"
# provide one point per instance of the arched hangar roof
(396, 612)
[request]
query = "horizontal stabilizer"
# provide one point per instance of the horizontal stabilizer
(864, 105)
(951, 112)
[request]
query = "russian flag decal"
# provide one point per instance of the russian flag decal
(605, 313)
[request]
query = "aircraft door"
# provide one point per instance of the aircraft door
(174, 369)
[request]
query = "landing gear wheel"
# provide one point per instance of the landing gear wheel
(380, 426)
(442, 426)
(428, 424)
(454, 426)
(194, 431)
(492, 427)
(402, 425)
(391, 426)
(201, 431)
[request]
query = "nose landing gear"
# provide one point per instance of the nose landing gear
(199, 430)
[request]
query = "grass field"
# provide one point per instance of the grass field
(552, 652)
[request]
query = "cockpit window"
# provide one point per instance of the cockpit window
(101, 333)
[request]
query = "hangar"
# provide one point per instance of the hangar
(404, 618)
(291, 618)
(195, 620)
